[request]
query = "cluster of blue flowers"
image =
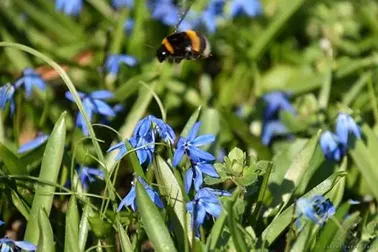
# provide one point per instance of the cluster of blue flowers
(275, 102)
(29, 80)
(334, 146)
(113, 62)
(317, 208)
(201, 162)
(143, 140)
(93, 104)
(130, 199)
(9, 245)
(167, 12)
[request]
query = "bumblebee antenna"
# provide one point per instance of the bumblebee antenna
(183, 16)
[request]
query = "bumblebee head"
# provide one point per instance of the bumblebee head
(161, 53)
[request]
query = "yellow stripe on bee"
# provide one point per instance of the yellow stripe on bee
(168, 45)
(195, 39)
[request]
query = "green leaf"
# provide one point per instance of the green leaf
(216, 231)
(20, 204)
(124, 238)
(135, 114)
(237, 236)
(302, 240)
(263, 41)
(153, 222)
(19, 59)
(169, 187)
(51, 162)
(101, 228)
(46, 238)
(241, 130)
(365, 158)
(298, 168)
(344, 232)
(330, 228)
(281, 221)
(71, 238)
(262, 191)
(14, 165)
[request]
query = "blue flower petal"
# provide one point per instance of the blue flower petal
(204, 139)
(103, 108)
(271, 129)
(128, 200)
(69, 7)
(177, 157)
(198, 180)
(122, 150)
(188, 178)
(102, 94)
(25, 245)
(33, 143)
(196, 153)
(6, 94)
(193, 132)
(208, 169)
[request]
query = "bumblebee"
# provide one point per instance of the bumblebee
(189, 45)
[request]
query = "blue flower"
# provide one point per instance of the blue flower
(112, 63)
(165, 11)
(88, 175)
(144, 149)
(122, 150)
(93, 104)
(143, 139)
(209, 15)
(128, 26)
(190, 144)
(345, 125)
(318, 209)
(2, 222)
(276, 101)
(205, 202)
(194, 174)
(122, 3)
(330, 145)
(69, 7)
(271, 129)
(6, 95)
(151, 124)
(250, 8)
(130, 199)
(9, 245)
(41, 139)
(30, 79)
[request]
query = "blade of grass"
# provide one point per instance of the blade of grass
(124, 238)
(169, 187)
(281, 221)
(46, 239)
(274, 28)
(14, 165)
(51, 162)
(153, 222)
(71, 238)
